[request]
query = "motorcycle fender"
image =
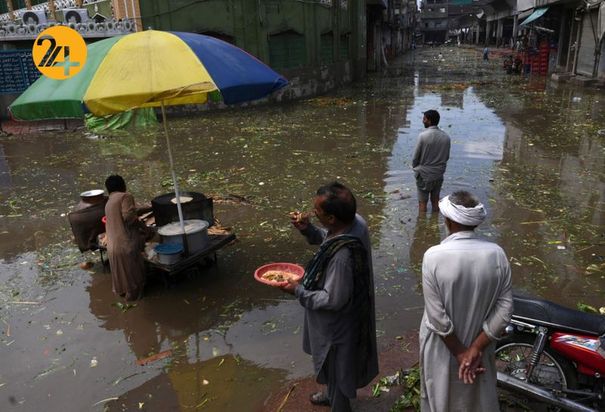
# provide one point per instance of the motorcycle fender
(581, 349)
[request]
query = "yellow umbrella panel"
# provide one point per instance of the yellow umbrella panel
(146, 70)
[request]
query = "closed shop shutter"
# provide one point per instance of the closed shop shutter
(587, 43)
(287, 50)
(327, 48)
(344, 46)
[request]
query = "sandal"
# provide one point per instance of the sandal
(319, 399)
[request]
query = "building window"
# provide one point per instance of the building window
(344, 47)
(442, 10)
(287, 50)
(327, 48)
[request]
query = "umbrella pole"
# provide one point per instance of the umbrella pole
(174, 181)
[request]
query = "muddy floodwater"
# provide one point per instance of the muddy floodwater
(217, 340)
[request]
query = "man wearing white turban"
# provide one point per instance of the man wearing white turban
(466, 284)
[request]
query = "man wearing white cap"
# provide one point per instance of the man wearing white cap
(466, 283)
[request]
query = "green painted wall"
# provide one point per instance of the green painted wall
(283, 33)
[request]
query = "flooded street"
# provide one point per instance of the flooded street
(533, 151)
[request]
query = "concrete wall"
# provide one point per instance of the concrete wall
(314, 81)
(251, 23)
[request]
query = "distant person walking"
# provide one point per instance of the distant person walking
(430, 160)
(466, 283)
(486, 54)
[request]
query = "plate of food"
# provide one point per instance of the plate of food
(277, 274)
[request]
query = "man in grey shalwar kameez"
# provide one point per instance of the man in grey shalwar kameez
(337, 293)
(430, 160)
(466, 283)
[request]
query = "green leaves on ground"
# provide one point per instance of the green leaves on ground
(124, 306)
(409, 379)
(411, 392)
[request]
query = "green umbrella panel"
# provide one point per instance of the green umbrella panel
(48, 99)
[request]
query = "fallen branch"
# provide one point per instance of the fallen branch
(283, 403)
(153, 358)
(22, 302)
(115, 398)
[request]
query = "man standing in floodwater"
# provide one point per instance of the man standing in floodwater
(430, 160)
(337, 292)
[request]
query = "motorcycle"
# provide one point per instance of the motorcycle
(553, 354)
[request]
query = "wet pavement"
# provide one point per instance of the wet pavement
(532, 150)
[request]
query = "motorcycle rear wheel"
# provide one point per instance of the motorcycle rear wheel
(552, 371)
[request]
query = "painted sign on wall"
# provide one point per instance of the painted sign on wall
(17, 71)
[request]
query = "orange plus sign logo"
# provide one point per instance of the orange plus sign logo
(59, 52)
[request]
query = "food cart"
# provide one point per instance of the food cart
(203, 237)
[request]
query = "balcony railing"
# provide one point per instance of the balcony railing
(89, 29)
(92, 19)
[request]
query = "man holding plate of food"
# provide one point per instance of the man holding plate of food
(337, 292)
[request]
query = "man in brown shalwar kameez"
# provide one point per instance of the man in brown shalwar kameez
(125, 235)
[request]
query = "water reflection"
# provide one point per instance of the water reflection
(477, 139)
(426, 234)
(222, 384)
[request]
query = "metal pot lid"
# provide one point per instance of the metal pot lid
(191, 226)
(183, 199)
(92, 193)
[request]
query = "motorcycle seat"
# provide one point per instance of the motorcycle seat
(550, 314)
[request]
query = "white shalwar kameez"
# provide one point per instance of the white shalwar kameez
(466, 283)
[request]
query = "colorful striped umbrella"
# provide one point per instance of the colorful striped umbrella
(146, 69)
(150, 69)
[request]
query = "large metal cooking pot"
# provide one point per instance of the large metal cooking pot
(196, 232)
(91, 197)
(194, 205)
